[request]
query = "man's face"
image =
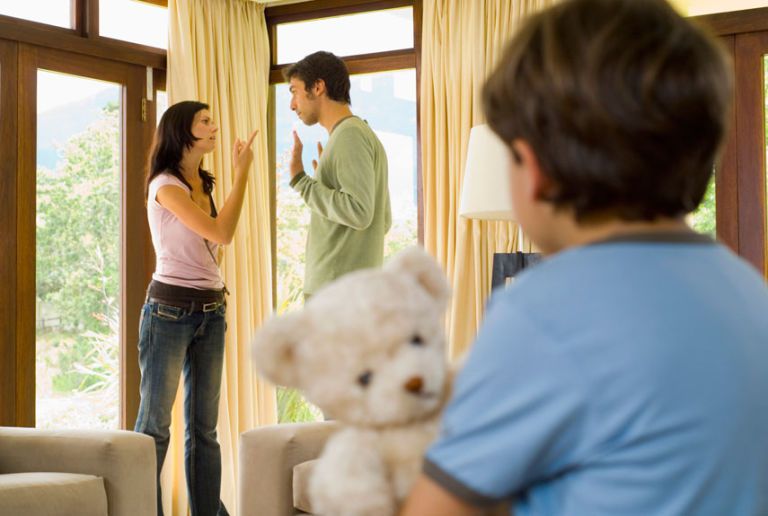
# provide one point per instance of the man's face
(303, 102)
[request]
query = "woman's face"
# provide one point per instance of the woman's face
(204, 130)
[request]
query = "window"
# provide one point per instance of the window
(52, 12)
(362, 33)
(78, 252)
(380, 51)
(387, 101)
(134, 21)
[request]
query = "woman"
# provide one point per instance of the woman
(182, 322)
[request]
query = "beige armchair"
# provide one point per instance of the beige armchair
(274, 467)
(83, 472)
(275, 464)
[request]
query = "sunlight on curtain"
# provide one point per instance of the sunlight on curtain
(219, 54)
(461, 42)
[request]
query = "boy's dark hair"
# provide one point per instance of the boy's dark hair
(172, 137)
(624, 103)
(326, 66)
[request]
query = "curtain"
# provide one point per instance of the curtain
(218, 53)
(461, 42)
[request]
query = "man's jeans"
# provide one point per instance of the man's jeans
(172, 339)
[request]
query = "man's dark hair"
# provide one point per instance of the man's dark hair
(326, 66)
(624, 103)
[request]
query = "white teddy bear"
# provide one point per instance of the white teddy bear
(369, 350)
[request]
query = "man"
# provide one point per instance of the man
(348, 195)
(627, 373)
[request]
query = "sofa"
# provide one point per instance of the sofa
(82, 472)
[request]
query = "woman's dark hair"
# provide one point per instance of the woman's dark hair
(326, 66)
(172, 137)
(624, 103)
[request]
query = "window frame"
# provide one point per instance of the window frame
(741, 172)
(400, 59)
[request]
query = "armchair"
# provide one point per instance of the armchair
(83, 472)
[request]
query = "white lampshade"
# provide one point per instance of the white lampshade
(485, 193)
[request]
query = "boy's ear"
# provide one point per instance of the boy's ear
(276, 346)
(539, 186)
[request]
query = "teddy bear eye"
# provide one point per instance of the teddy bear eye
(416, 340)
(365, 378)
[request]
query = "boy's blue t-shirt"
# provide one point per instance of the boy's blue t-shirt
(621, 378)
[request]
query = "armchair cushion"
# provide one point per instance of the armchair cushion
(52, 494)
(301, 474)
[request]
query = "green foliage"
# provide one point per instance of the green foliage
(703, 219)
(78, 215)
(293, 408)
(78, 226)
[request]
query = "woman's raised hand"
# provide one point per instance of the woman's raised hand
(242, 154)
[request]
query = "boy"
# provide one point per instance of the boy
(627, 373)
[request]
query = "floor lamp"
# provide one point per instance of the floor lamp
(485, 195)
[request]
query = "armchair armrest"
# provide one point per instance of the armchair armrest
(125, 460)
(267, 457)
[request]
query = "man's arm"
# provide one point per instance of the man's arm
(429, 498)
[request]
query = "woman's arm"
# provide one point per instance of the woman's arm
(222, 228)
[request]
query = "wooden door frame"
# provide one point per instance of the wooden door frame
(8, 199)
(740, 181)
(134, 232)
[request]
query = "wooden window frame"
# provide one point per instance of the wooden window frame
(25, 45)
(400, 59)
(741, 174)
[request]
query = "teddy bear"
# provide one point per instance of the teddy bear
(369, 350)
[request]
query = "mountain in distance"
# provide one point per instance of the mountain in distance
(56, 126)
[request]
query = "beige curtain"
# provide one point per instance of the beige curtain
(218, 53)
(461, 42)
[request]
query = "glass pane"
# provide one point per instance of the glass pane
(52, 12)
(387, 101)
(77, 275)
(131, 20)
(352, 34)
(161, 104)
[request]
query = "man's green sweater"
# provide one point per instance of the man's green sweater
(349, 199)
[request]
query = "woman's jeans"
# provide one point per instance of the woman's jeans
(172, 339)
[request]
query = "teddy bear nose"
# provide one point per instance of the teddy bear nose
(414, 385)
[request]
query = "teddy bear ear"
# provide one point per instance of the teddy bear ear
(275, 348)
(425, 270)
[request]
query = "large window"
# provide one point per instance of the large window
(77, 252)
(75, 255)
(384, 93)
